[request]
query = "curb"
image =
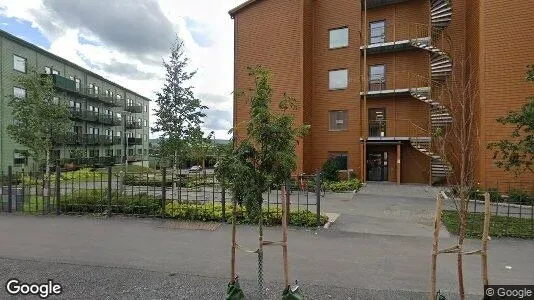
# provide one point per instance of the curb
(332, 217)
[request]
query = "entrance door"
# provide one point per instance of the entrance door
(377, 166)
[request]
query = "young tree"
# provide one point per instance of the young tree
(266, 156)
(179, 113)
(201, 147)
(517, 154)
(456, 143)
(38, 118)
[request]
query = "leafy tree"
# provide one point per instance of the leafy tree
(201, 147)
(178, 113)
(38, 118)
(266, 156)
(517, 154)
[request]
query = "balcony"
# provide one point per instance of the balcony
(105, 140)
(386, 86)
(109, 100)
(394, 37)
(62, 83)
(135, 141)
(389, 130)
(377, 3)
(92, 161)
(117, 140)
(133, 125)
(134, 108)
(70, 138)
(91, 139)
(110, 120)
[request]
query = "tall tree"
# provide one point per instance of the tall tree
(39, 118)
(179, 113)
(517, 154)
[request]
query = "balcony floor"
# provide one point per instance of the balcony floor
(385, 93)
(392, 46)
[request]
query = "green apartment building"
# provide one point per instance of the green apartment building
(110, 122)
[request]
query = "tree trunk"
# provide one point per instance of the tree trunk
(46, 182)
(461, 237)
(174, 170)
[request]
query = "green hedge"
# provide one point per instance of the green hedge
(500, 226)
(96, 201)
(152, 181)
(343, 186)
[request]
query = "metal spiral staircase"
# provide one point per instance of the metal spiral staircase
(440, 69)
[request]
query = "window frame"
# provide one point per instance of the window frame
(330, 112)
(346, 81)
(20, 88)
(383, 83)
(384, 33)
(330, 37)
(25, 63)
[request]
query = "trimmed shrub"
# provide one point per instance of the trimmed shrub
(343, 186)
(519, 196)
(153, 181)
(330, 170)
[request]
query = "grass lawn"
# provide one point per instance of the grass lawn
(500, 226)
(35, 204)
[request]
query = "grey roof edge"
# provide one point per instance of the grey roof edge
(65, 61)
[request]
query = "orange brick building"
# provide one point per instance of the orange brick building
(368, 76)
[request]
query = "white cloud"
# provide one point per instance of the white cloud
(214, 62)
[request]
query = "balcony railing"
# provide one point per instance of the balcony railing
(109, 100)
(92, 161)
(91, 139)
(110, 120)
(400, 32)
(134, 108)
(135, 141)
(389, 128)
(387, 84)
(117, 140)
(133, 125)
(377, 128)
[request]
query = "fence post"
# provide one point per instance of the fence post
(223, 201)
(110, 191)
(164, 190)
(58, 188)
(318, 197)
(288, 201)
(9, 188)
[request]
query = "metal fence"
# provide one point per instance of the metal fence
(161, 193)
(512, 206)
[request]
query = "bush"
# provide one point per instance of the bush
(152, 181)
(519, 196)
(96, 201)
(330, 170)
(343, 186)
(213, 212)
(495, 195)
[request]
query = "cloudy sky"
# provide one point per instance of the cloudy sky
(126, 40)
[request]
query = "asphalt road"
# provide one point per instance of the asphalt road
(379, 248)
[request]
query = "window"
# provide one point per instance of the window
(119, 97)
(139, 121)
(338, 79)
(145, 137)
(377, 77)
(145, 152)
(109, 132)
(95, 89)
(20, 157)
(55, 100)
(119, 133)
(19, 93)
(118, 152)
(146, 108)
(48, 70)
(377, 32)
(129, 102)
(146, 123)
(138, 135)
(341, 158)
(19, 63)
(55, 72)
(131, 152)
(71, 77)
(339, 38)
(78, 83)
(338, 120)
(109, 152)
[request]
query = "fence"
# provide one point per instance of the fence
(161, 193)
(512, 207)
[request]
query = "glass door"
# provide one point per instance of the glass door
(377, 166)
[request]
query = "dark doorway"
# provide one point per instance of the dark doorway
(377, 166)
(377, 122)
